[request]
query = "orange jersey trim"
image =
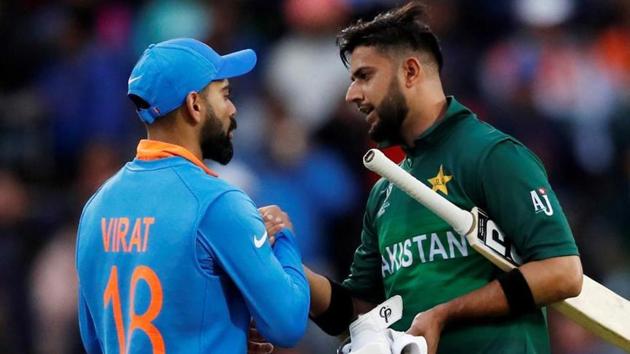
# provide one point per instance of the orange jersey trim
(154, 150)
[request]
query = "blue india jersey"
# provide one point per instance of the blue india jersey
(172, 259)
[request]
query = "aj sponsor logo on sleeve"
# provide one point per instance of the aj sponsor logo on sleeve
(539, 206)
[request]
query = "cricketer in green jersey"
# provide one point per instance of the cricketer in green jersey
(452, 296)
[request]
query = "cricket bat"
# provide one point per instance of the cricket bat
(597, 308)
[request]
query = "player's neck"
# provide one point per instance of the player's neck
(425, 110)
(176, 138)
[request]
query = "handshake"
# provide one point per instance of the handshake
(370, 333)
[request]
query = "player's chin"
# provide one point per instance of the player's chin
(376, 134)
(373, 131)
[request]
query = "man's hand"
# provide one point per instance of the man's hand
(429, 324)
(256, 344)
(275, 220)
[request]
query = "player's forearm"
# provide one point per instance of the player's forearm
(549, 280)
(488, 301)
(320, 292)
(554, 279)
(281, 316)
(332, 305)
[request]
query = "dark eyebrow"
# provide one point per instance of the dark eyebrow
(227, 88)
(362, 71)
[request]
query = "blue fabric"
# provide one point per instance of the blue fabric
(198, 236)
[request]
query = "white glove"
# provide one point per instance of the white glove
(403, 343)
(369, 334)
(396, 343)
(373, 348)
(369, 328)
(367, 337)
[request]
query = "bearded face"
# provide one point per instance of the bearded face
(216, 142)
(391, 113)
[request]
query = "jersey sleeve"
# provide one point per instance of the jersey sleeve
(86, 328)
(366, 280)
(272, 281)
(518, 197)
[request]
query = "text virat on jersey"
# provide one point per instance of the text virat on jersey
(123, 235)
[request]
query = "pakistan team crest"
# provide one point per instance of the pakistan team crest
(438, 183)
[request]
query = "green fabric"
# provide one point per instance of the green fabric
(407, 250)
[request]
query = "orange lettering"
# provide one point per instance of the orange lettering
(106, 230)
(135, 236)
(123, 227)
(114, 246)
(115, 231)
(143, 322)
(148, 221)
(115, 236)
(112, 294)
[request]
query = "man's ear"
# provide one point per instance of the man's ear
(193, 107)
(412, 71)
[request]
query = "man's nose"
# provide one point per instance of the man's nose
(233, 110)
(354, 94)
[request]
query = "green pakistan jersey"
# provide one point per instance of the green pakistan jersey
(407, 250)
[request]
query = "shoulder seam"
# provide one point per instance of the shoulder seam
(202, 208)
(195, 228)
(185, 184)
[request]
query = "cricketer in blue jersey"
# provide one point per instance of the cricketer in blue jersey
(170, 258)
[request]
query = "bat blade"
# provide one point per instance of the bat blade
(597, 308)
(487, 239)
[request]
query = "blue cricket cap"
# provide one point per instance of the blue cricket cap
(170, 70)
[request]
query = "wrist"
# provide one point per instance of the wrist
(442, 314)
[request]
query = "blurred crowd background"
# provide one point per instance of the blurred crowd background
(553, 73)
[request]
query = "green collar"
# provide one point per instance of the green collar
(454, 113)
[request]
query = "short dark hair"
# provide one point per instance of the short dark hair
(402, 27)
(141, 103)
